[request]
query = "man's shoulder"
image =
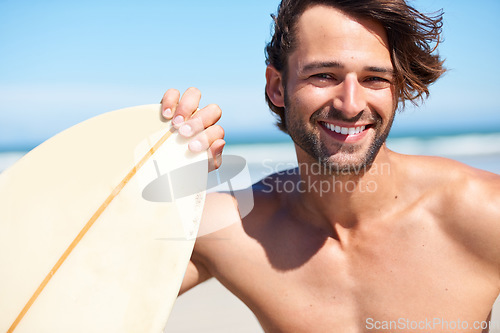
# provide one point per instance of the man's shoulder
(471, 211)
(231, 225)
(439, 171)
(451, 183)
(464, 201)
(225, 209)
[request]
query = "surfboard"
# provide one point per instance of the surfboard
(83, 246)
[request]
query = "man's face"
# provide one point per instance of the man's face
(339, 93)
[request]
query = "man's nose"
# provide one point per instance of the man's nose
(350, 97)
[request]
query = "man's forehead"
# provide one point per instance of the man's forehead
(325, 33)
(322, 21)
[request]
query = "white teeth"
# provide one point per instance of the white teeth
(345, 130)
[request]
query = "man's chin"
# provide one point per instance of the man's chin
(346, 168)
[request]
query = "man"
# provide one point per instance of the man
(362, 238)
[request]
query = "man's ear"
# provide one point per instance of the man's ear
(274, 86)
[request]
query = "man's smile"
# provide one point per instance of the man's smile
(345, 133)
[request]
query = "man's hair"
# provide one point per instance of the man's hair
(413, 39)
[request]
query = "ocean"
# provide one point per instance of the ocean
(477, 150)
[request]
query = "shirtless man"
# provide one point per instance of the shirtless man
(375, 241)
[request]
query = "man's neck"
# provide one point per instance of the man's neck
(342, 200)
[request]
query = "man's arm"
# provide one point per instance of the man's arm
(196, 273)
(485, 197)
(474, 214)
(219, 214)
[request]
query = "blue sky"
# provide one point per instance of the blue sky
(64, 61)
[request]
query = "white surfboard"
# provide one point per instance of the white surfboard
(83, 246)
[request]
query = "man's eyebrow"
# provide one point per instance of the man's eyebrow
(335, 64)
(320, 65)
(382, 70)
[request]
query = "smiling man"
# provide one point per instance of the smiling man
(363, 238)
(337, 95)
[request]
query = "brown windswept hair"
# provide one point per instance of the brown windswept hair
(413, 39)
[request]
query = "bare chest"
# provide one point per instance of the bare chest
(398, 278)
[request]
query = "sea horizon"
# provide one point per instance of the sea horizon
(479, 150)
(276, 137)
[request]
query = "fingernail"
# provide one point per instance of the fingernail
(178, 120)
(167, 113)
(186, 130)
(195, 146)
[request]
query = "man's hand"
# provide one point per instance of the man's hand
(194, 123)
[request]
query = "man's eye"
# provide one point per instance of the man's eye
(377, 82)
(376, 79)
(322, 76)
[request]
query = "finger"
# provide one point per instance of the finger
(188, 104)
(202, 119)
(169, 102)
(215, 154)
(205, 139)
